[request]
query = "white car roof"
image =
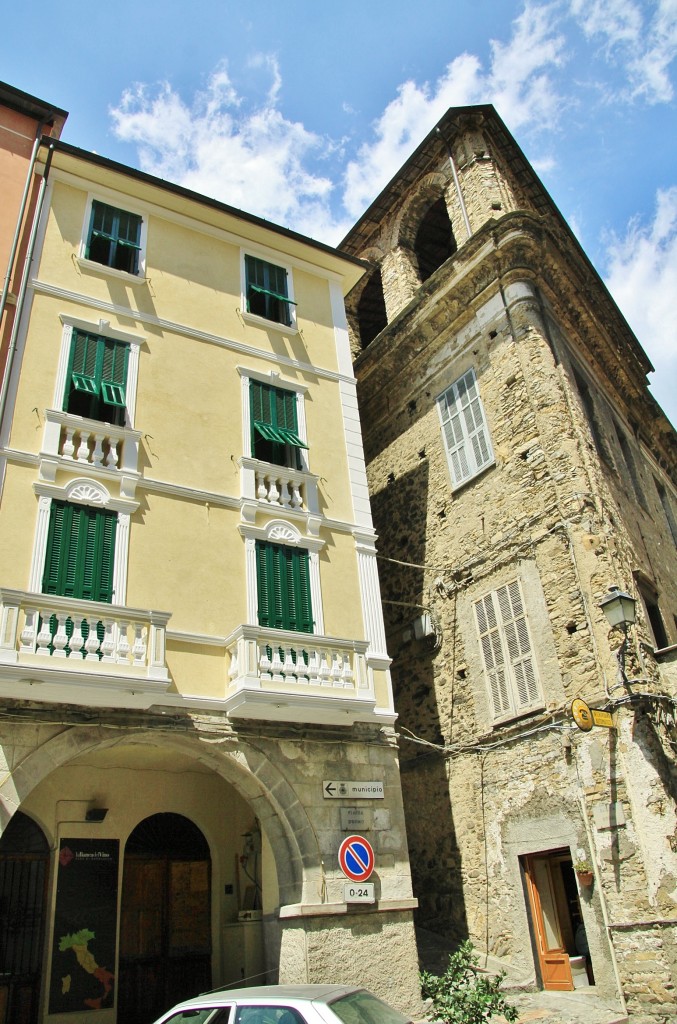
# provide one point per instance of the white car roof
(267, 994)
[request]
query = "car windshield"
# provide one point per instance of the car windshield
(364, 1008)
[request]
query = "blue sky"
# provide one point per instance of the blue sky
(302, 111)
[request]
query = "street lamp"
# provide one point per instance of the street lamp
(619, 609)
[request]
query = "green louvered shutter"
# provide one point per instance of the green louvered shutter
(53, 577)
(274, 425)
(97, 378)
(263, 575)
(83, 375)
(80, 552)
(114, 357)
(304, 622)
(283, 580)
(267, 291)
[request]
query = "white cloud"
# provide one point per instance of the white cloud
(517, 83)
(642, 277)
(256, 160)
(248, 154)
(638, 38)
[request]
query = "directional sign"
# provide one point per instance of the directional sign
(356, 858)
(372, 790)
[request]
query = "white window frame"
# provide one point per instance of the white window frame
(84, 492)
(465, 431)
(119, 203)
(273, 260)
(279, 532)
(273, 380)
(507, 652)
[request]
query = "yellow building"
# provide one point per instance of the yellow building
(191, 641)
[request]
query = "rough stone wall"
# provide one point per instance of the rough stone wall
(568, 523)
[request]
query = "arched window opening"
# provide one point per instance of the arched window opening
(434, 242)
(371, 309)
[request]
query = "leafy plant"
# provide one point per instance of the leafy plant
(463, 995)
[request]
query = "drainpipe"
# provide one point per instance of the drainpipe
(22, 295)
(22, 210)
(457, 183)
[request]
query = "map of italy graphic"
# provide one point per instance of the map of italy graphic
(78, 942)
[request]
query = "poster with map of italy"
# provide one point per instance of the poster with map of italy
(83, 949)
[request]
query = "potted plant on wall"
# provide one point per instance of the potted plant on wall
(583, 869)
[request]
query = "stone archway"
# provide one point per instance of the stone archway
(243, 765)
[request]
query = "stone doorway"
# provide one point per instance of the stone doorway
(165, 933)
(557, 923)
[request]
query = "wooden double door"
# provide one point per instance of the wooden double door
(555, 915)
(165, 928)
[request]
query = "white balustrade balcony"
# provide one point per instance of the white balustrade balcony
(45, 635)
(278, 486)
(89, 445)
(298, 677)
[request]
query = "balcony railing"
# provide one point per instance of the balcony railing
(47, 630)
(278, 486)
(89, 444)
(272, 672)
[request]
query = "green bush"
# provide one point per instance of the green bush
(464, 996)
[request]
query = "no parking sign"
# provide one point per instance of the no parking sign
(356, 858)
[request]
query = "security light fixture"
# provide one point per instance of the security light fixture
(96, 814)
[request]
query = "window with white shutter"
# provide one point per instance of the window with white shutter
(507, 652)
(464, 428)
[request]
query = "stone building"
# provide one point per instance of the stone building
(191, 638)
(519, 468)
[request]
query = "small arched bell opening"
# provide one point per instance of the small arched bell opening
(165, 933)
(371, 309)
(24, 869)
(434, 242)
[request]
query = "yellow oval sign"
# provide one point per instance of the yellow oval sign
(581, 714)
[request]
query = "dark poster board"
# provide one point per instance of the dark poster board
(83, 953)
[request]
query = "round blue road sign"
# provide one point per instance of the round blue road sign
(356, 858)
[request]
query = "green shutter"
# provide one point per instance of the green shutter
(262, 576)
(98, 369)
(273, 414)
(305, 621)
(114, 237)
(267, 291)
(80, 552)
(83, 375)
(114, 356)
(283, 580)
